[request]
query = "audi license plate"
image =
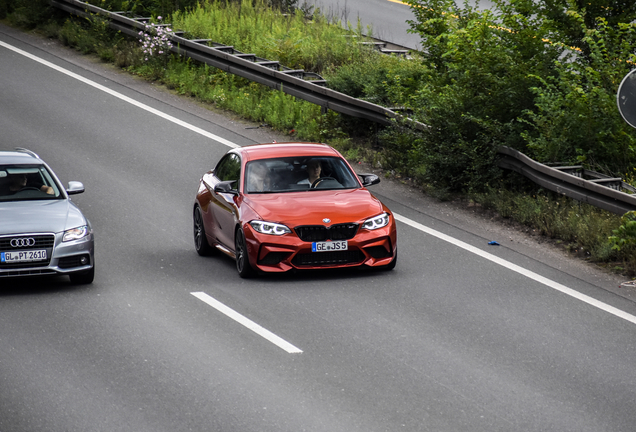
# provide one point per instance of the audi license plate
(23, 256)
(329, 246)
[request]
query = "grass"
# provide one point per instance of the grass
(292, 39)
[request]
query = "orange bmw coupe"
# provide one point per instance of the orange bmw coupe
(284, 206)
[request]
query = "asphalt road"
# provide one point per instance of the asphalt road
(461, 336)
(386, 18)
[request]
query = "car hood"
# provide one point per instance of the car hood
(311, 207)
(39, 216)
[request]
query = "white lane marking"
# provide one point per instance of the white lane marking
(247, 323)
(122, 97)
(525, 272)
(555, 285)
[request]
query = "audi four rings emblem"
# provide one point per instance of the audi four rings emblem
(22, 242)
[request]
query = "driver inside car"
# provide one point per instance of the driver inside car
(314, 170)
(20, 182)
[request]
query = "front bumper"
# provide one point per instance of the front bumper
(62, 257)
(270, 253)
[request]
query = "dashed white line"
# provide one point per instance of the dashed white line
(247, 323)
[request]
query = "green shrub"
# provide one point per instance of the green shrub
(26, 13)
(625, 235)
(577, 120)
(90, 37)
(496, 79)
(385, 80)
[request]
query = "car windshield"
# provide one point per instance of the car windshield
(293, 174)
(33, 182)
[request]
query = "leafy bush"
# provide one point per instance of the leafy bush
(506, 77)
(90, 36)
(477, 87)
(26, 13)
(625, 235)
(378, 78)
(577, 119)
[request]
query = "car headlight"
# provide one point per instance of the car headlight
(75, 233)
(270, 228)
(376, 222)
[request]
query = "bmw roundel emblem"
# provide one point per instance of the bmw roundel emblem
(326, 220)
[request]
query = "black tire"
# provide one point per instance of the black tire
(391, 265)
(83, 277)
(243, 265)
(201, 244)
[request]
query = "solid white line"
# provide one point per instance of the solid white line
(525, 272)
(121, 96)
(247, 323)
(534, 276)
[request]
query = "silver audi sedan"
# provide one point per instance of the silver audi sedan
(41, 231)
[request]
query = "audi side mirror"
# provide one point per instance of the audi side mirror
(75, 187)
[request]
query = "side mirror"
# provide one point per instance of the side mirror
(75, 187)
(369, 179)
(226, 187)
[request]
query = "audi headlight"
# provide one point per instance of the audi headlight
(75, 233)
(270, 228)
(376, 222)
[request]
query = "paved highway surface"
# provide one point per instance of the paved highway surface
(461, 336)
(387, 18)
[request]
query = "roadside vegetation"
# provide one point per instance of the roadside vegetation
(537, 76)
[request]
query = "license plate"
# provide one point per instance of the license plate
(23, 256)
(329, 246)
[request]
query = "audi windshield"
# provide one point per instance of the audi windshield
(33, 182)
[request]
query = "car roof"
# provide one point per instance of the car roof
(271, 150)
(19, 157)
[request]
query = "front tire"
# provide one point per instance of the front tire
(201, 244)
(391, 265)
(83, 277)
(243, 266)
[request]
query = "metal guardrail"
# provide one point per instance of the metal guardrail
(597, 189)
(307, 86)
(575, 182)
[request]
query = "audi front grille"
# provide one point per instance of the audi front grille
(27, 242)
(40, 241)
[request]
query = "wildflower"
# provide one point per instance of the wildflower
(155, 40)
